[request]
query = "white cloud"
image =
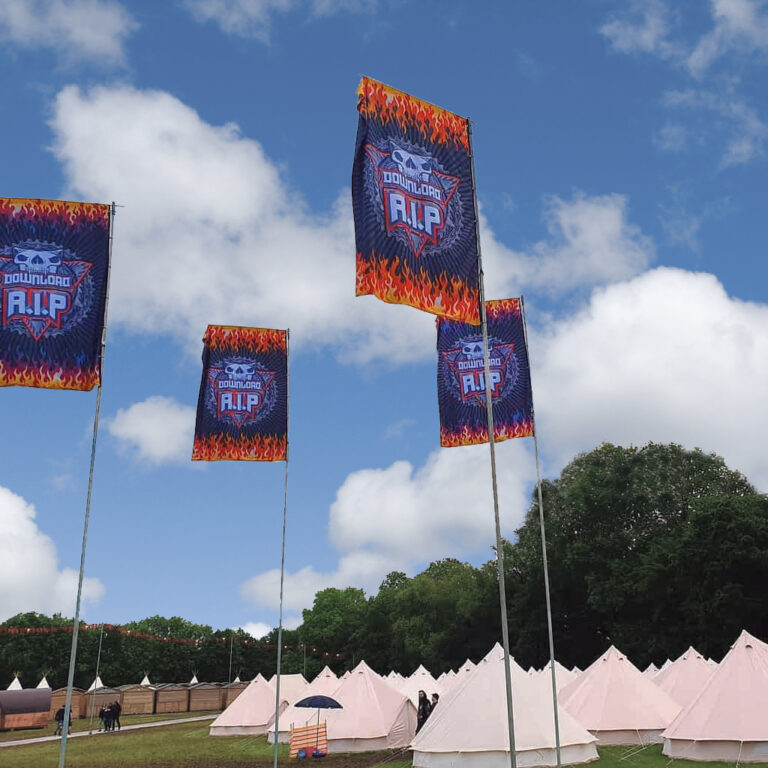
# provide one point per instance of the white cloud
(401, 517)
(77, 30)
(398, 428)
(672, 137)
(211, 233)
(643, 29)
(746, 133)
(159, 429)
(29, 568)
(591, 242)
(256, 629)
(666, 357)
(682, 229)
(252, 18)
(739, 25)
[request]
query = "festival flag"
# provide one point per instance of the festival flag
(414, 205)
(461, 378)
(242, 409)
(54, 262)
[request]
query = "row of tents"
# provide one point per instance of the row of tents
(699, 710)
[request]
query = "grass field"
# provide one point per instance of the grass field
(188, 745)
(84, 725)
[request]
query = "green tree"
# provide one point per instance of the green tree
(335, 622)
(610, 515)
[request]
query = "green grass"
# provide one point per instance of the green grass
(188, 745)
(84, 725)
(651, 757)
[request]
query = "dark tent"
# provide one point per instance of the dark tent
(27, 708)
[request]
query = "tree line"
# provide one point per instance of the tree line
(651, 549)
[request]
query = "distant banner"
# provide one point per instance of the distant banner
(461, 378)
(413, 205)
(53, 274)
(242, 410)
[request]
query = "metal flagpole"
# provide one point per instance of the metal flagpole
(98, 664)
(76, 622)
(282, 579)
(231, 641)
(492, 447)
(544, 556)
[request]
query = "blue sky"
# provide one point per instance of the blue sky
(621, 166)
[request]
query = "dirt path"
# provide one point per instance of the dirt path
(79, 734)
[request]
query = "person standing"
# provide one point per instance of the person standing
(59, 717)
(423, 711)
(435, 699)
(103, 719)
(116, 710)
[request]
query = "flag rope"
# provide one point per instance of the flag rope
(76, 621)
(544, 555)
(492, 448)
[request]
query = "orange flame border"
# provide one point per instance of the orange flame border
(394, 282)
(496, 308)
(237, 337)
(49, 377)
(227, 448)
(501, 432)
(73, 213)
(382, 102)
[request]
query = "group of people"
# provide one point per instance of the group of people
(110, 716)
(426, 707)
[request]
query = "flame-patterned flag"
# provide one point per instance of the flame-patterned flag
(414, 205)
(242, 409)
(461, 378)
(54, 260)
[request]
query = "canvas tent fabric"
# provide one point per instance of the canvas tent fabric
(726, 720)
(43, 683)
(374, 716)
(420, 680)
(617, 703)
(145, 680)
(96, 684)
(684, 677)
(469, 728)
(563, 675)
(651, 671)
(466, 667)
(323, 685)
(251, 713)
(292, 687)
(15, 684)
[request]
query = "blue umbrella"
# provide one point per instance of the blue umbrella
(318, 702)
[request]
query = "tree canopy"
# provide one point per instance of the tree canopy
(651, 549)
